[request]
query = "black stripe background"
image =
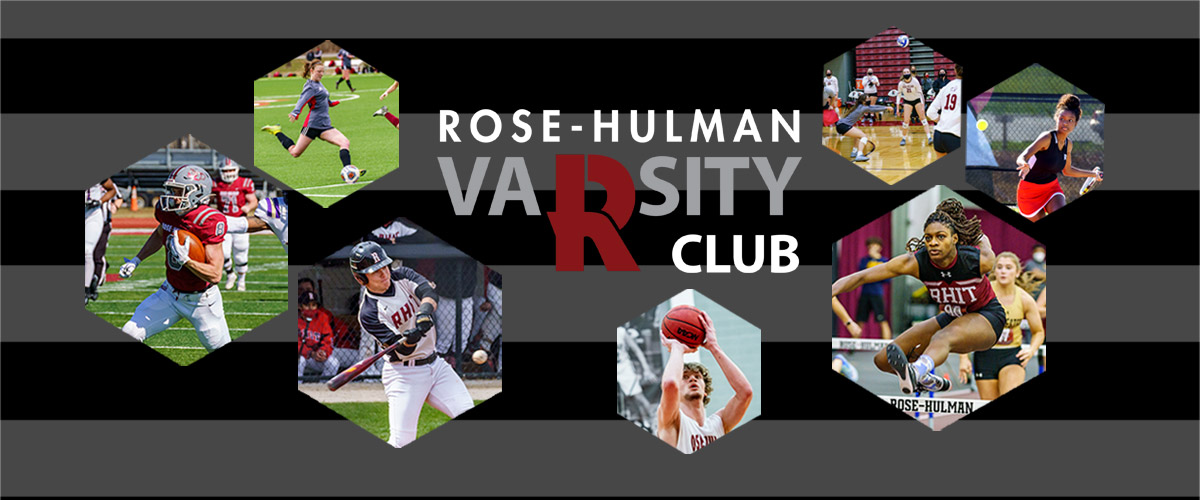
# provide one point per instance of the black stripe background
(631, 72)
(251, 381)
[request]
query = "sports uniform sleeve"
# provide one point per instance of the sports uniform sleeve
(305, 96)
(213, 226)
(935, 108)
(368, 317)
(424, 288)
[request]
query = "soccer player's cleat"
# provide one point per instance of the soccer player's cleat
(381, 111)
(861, 158)
(903, 141)
(362, 172)
(938, 384)
(273, 129)
(905, 371)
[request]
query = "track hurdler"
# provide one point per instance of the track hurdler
(952, 259)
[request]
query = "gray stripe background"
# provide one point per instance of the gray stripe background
(479, 458)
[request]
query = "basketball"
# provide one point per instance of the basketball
(902, 40)
(682, 323)
(196, 249)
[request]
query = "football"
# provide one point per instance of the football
(682, 323)
(350, 174)
(195, 249)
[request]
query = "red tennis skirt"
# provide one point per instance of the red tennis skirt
(1033, 198)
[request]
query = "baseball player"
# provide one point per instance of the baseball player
(394, 302)
(682, 420)
(235, 198)
(315, 339)
(95, 215)
(189, 291)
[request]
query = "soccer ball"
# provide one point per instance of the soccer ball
(902, 40)
(350, 174)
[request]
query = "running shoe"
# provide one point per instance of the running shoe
(862, 158)
(939, 384)
(903, 141)
(847, 369)
(905, 371)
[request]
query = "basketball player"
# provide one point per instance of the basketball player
(947, 114)
(395, 302)
(235, 198)
(910, 97)
(1039, 193)
(1002, 368)
(189, 291)
(682, 420)
(952, 259)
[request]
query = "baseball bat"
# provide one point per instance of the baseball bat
(354, 371)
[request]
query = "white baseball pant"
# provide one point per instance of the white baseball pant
(165, 307)
(409, 387)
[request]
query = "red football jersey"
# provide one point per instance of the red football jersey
(207, 224)
(231, 197)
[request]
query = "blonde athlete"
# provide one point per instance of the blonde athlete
(682, 420)
(1002, 368)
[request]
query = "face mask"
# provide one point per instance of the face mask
(1039, 257)
(941, 75)
(907, 77)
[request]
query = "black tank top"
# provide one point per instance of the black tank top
(960, 288)
(1049, 162)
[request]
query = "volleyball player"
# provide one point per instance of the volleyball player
(946, 112)
(845, 127)
(910, 97)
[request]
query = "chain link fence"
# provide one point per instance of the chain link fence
(1017, 111)
(469, 316)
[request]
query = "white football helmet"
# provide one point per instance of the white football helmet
(194, 185)
(229, 170)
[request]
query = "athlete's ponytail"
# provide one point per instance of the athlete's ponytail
(308, 67)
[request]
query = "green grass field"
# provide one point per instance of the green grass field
(266, 294)
(374, 417)
(374, 143)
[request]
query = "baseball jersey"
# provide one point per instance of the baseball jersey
(946, 105)
(274, 211)
(316, 334)
(208, 224)
(870, 84)
(316, 98)
(394, 312)
(693, 436)
(960, 288)
(1014, 314)
(1050, 162)
(910, 90)
(231, 196)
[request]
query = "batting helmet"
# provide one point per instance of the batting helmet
(368, 257)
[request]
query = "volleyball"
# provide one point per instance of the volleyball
(902, 40)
